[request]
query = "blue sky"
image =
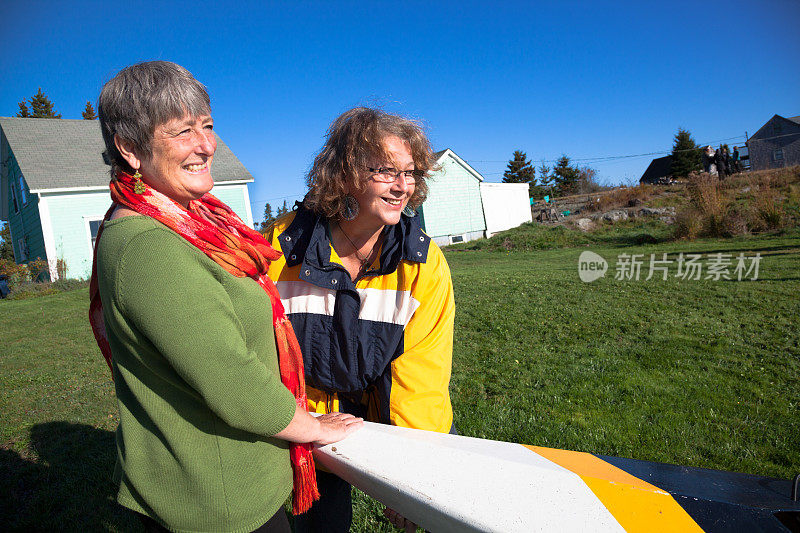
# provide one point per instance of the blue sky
(582, 78)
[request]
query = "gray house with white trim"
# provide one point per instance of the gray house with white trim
(54, 189)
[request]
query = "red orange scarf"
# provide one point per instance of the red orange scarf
(212, 227)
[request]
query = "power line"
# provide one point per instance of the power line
(598, 159)
(264, 200)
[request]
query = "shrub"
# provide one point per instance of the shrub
(688, 223)
(31, 289)
(61, 269)
(621, 197)
(705, 194)
(735, 224)
(767, 208)
(16, 273)
(63, 285)
(38, 269)
(708, 200)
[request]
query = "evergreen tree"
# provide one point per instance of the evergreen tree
(520, 170)
(88, 113)
(686, 156)
(6, 248)
(282, 210)
(42, 107)
(23, 112)
(268, 218)
(565, 176)
(545, 179)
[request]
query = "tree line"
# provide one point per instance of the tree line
(40, 106)
(563, 179)
(269, 218)
(566, 178)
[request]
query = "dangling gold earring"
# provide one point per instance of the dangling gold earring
(138, 186)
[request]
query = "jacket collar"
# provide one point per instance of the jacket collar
(306, 242)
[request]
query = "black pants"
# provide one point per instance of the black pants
(277, 524)
(333, 512)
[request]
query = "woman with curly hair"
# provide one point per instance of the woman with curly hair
(367, 291)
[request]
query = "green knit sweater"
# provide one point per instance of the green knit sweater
(197, 382)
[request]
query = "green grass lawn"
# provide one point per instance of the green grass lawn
(701, 373)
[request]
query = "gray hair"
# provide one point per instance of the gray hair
(140, 98)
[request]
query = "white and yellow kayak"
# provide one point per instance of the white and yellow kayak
(454, 483)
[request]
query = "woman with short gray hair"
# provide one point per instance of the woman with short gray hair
(214, 433)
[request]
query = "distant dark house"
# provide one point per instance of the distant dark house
(776, 144)
(658, 171)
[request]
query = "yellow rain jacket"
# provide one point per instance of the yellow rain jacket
(381, 347)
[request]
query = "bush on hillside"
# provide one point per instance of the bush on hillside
(622, 197)
(527, 237)
(743, 204)
(32, 289)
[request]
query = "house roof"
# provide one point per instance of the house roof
(437, 156)
(65, 154)
(762, 132)
(659, 168)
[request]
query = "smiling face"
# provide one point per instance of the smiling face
(380, 204)
(180, 166)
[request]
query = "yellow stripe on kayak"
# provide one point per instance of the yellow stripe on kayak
(636, 504)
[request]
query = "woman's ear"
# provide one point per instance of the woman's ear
(126, 149)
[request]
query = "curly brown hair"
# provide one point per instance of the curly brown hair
(352, 141)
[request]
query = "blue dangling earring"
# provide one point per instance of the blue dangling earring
(409, 212)
(350, 208)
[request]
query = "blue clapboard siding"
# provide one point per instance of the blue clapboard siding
(71, 214)
(237, 199)
(62, 162)
(454, 203)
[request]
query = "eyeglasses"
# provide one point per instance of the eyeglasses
(390, 174)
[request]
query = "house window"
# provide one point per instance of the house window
(14, 198)
(94, 227)
(456, 238)
(22, 246)
(777, 155)
(22, 193)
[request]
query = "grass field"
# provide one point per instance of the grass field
(702, 373)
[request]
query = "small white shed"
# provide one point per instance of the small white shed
(505, 205)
